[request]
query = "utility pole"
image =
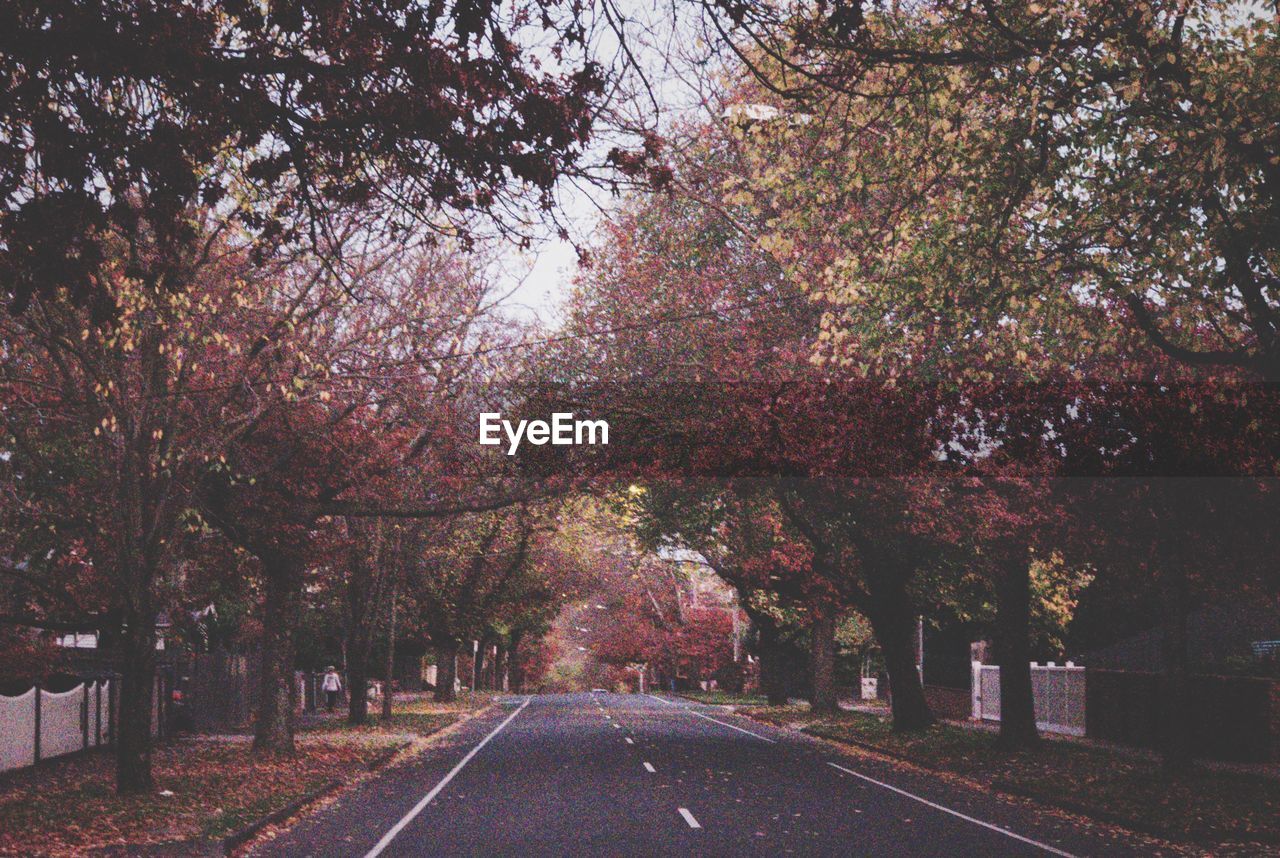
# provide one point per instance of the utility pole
(920, 647)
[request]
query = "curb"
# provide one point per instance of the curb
(243, 835)
(238, 838)
(207, 847)
(227, 845)
(387, 756)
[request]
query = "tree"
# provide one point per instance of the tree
(735, 529)
(379, 383)
(1073, 159)
(1181, 517)
(136, 409)
(474, 569)
(122, 119)
(723, 380)
(372, 565)
(130, 128)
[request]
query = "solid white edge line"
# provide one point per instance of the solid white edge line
(630, 741)
(716, 720)
(648, 767)
(1006, 832)
(734, 727)
(426, 799)
(688, 817)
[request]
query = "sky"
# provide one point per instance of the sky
(540, 280)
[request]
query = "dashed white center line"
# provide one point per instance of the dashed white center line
(617, 726)
(648, 767)
(688, 817)
(630, 741)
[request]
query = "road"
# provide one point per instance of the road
(620, 774)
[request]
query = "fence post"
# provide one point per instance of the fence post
(37, 720)
(975, 687)
(111, 711)
(97, 721)
(84, 713)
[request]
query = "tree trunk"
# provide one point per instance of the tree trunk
(357, 686)
(500, 668)
(446, 671)
(133, 726)
(773, 677)
(513, 664)
(480, 665)
(358, 640)
(1175, 681)
(282, 603)
(390, 673)
(893, 621)
(1013, 653)
(822, 662)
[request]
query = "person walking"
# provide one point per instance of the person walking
(331, 685)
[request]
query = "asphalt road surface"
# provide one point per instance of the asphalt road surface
(619, 774)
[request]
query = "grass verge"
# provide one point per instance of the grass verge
(413, 723)
(204, 789)
(724, 698)
(1206, 806)
(216, 785)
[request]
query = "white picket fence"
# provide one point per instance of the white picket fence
(39, 724)
(1058, 693)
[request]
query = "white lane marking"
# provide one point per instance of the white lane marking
(435, 791)
(688, 817)
(716, 720)
(1045, 846)
(630, 741)
(648, 767)
(617, 726)
(734, 727)
(608, 717)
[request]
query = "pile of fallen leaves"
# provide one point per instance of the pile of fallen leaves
(203, 789)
